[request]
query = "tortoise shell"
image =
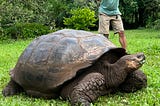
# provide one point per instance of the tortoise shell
(52, 59)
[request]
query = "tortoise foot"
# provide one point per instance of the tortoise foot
(12, 89)
(134, 81)
(80, 102)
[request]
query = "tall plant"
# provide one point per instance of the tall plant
(81, 18)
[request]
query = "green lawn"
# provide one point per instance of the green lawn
(147, 41)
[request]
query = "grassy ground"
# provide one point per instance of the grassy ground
(147, 41)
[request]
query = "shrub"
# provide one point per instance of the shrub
(32, 11)
(1, 33)
(157, 24)
(154, 24)
(26, 30)
(81, 18)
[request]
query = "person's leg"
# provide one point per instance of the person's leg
(117, 25)
(122, 39)
(104, 23)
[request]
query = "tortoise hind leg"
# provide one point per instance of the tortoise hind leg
(134, 81)
(12, 89)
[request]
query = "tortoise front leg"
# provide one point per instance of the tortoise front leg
(85, 89)
(134, 81)
(12, 89)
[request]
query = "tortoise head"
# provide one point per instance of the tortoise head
(132, 62)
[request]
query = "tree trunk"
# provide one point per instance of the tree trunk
(141, 17)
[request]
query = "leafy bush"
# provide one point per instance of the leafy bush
(32, 11)
(157, 24)
(81, 18)
(26, 30)
(154, 24)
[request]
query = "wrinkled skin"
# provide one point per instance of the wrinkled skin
(110, 78)
(100, 79)
(133, 82)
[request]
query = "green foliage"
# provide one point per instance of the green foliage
(92, 4)
(137, 13)
(153, 24)
(156, 24)
(140, 12)
(26, 30)
(14, 11)
(81, 18)
(128, 8)
(45, 12)
(55, 10)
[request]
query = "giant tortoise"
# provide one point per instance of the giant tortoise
(77, 65)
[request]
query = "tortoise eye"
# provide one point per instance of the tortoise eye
(141, 56)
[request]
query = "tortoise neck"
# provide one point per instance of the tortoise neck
(114, 74)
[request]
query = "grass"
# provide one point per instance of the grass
(147, 41)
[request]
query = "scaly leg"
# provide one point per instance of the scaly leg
(85, 89)
(134, 81)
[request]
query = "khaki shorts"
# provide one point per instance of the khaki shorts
(105, 21)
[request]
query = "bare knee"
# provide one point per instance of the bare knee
(121, 34)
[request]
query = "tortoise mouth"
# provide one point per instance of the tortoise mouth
(142, 62)
(141, 58)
